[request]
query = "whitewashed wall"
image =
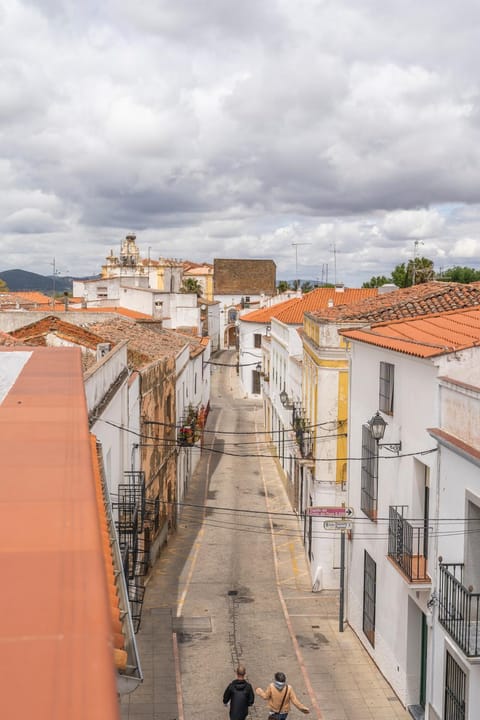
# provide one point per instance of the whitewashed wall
(248, 355)
(114, 416)
(459, 482)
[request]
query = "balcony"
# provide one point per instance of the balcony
(301, 428)
(459, 609)
(407, 545)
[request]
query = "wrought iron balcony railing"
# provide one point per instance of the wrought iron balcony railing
(408, 545)
(459, 609)
(301, 428)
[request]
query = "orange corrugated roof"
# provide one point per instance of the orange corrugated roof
(292, 311)
(426, 336)
(55, 619)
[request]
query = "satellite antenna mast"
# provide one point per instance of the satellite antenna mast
(334, 248)
(416, 243)
(295, 245)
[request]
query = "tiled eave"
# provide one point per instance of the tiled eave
(456, 445)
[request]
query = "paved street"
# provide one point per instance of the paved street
(233, 586)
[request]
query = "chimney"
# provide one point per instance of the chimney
(339, 288)
(158, 311)
(102, 350)
(330, 302)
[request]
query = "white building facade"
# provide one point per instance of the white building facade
(455, 666)
(394, 491)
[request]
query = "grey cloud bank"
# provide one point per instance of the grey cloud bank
(236, 130)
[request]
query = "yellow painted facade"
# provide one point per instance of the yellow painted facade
(314, 364)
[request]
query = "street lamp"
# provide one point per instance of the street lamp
(285, 400)
(377, 427)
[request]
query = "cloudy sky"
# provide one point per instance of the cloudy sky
(329, 135)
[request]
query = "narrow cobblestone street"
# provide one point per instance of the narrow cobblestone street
(233, 586)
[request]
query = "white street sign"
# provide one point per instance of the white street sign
(337, 524)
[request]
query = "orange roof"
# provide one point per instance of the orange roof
(34, 296)
(118, 310)
(292, 311)
(34, 333)
(119, 653)
(28, 301)
(427, 336)
(55, 617)
(6, 339)
(424, 299)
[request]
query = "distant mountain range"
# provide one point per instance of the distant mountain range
(18, 280)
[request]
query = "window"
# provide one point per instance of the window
(455, 682)
(369, 479)
(257, 340)
(385, 396)
(255, 382)
(369, 597)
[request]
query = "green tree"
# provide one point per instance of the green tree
(459, 274)
(399, 275)
(415, 272)
(306, 286)
(377, 281)
(420, 270)
(3, 286)
(191, 285)
(282, 286)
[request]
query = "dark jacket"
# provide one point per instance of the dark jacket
(240, 695)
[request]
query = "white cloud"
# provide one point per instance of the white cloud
(214, 129)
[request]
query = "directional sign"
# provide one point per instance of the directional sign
(326, 511)
(337, 524)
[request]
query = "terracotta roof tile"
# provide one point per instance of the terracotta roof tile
(292, 311)
(114, 310)
(27, 301)
(6, 340)
(405, 303)
(145, 344)
(425, 336)
(34, 333)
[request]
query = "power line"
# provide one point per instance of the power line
(165, 442)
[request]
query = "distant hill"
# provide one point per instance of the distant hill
(18, 280)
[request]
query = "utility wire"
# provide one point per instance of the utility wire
(166, 443)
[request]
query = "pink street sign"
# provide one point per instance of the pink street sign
(326, 511)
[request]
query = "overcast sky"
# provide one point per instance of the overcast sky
(322, 134)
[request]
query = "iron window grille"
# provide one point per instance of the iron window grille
(369, 597)
(369, 474)
(455, 685)
(385, 395)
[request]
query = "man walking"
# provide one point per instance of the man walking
(280, 696)
(240, 695)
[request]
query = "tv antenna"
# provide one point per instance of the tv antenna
(295, 245)
(416, 243)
